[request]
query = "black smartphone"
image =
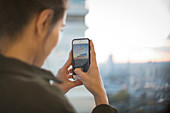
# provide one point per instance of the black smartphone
(81, 54)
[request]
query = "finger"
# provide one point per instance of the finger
(70, 70)
(77, 83)
(79, 72)
(93, 54)
(69, 61)
(70, 76)
(75, 77)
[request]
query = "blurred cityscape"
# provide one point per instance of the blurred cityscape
(131, 87)
(137, 87)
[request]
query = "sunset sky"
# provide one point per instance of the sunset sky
(79, 49)
(130, 30)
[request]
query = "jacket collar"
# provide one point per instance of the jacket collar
(11, 65)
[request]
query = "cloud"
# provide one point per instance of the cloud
(81, 49)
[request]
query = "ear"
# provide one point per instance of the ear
(43, 22)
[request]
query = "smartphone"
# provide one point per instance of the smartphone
(81, 54)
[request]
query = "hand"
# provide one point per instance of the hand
(63, 75)
(92, 79)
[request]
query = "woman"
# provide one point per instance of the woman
(29, 30)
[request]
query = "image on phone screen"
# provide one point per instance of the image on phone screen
(81, 54)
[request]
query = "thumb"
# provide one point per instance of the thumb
(79, 72)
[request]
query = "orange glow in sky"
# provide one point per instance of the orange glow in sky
(130, 30)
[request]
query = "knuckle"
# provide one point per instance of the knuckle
(61, 70)
(94, 53)
(70, 54)
(95, 67)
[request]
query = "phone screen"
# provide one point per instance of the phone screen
(81, 54)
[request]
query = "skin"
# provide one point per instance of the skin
(36, 43)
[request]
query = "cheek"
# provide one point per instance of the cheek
(52, 41)
(55, 38)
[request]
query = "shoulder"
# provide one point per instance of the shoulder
(32, 94)
(104, 108)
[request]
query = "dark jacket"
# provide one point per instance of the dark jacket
(25, 89)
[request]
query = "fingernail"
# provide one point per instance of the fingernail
(76, 77)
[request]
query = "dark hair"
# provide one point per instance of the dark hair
(15, 14)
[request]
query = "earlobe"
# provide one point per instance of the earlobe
(43, 21)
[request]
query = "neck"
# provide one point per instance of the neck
(21, 52)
